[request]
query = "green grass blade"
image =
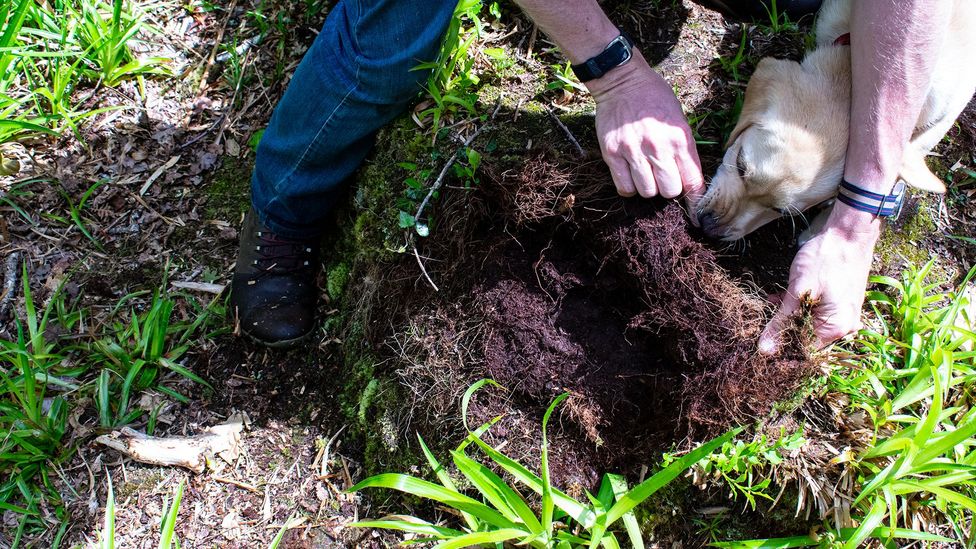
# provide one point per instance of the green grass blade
(945, 442)
(103, 399)
(279, 536)
(445, 479)
(908, 487)
(807, 541)
(935, 409)
(431, 491)
(868, 525)
(466, 398)
(497, 492)
(548, 505)
(108, 533)
(609, 541)
(23, 125)
(887, 475)
(619, 486)
(481, 538)
(646, 489)
(771, 543)
(579, 512)
(167, 536)
(404, 523)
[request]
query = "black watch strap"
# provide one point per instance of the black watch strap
(617, 52)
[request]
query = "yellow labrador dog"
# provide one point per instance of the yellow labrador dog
(788, 149)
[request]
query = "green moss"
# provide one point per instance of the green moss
(379, 191)
(368, 393)
(903, 240)
(336, 279)
(228, 189)
(139, 480)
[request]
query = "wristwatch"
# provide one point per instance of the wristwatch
(881, 205)
(617, 52)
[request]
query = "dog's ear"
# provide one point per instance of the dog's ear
(917, 174)
(741, 126)
(759, 93)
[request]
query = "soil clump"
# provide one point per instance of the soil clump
(616, 301)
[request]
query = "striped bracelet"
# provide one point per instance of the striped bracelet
(881, 205)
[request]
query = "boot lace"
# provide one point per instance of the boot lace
(279, 255)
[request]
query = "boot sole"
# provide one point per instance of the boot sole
(282, 344)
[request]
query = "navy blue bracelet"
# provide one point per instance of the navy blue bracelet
(881, 205)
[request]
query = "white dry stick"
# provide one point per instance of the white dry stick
(440, 181)
(450, 162)
(424, 269)
(192, 452)
(204, 287)
(9, 283)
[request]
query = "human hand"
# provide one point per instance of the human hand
(832, 269)
(643, 134)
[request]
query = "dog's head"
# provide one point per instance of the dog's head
(787, 151)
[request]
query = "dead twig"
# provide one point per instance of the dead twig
(202, 134)
(217, 43)
(9, 283)
(447, 166)
(239, 484)
(424, 270)
(532, 37)
(569, 135)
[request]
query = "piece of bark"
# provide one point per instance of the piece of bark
(191, 452)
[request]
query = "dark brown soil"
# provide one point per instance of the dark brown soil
(615, 301)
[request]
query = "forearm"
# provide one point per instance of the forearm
(582, 30)
(579, 27)
(894, 44)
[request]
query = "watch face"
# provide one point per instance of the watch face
(617, 52)
(898, 192)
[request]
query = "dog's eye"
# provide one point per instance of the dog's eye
(782, 211)
(740, 164)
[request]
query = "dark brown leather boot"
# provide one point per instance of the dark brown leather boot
(273, 291)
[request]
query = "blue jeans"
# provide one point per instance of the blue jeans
(354, 79)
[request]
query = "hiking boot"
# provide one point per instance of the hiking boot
(273, 290)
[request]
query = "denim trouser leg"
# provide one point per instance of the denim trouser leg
(354, 79)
